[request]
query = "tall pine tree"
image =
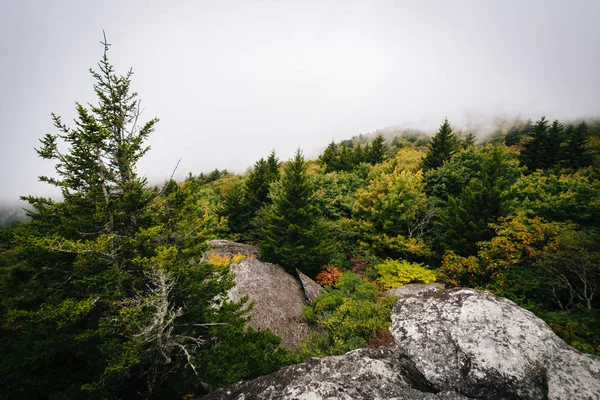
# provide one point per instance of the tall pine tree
(294, 234)
(441, 147)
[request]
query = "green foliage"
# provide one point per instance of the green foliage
(578, 150)
(101, 295)
(395, 273)
(566, 197)
(441, 147)
(348, 156)
(389, 209)
(351, 314)
(472, 191)
(544, 266)
(294, 234)
(244, 199)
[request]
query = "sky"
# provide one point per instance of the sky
(232, 80)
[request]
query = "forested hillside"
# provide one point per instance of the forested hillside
(104, 294)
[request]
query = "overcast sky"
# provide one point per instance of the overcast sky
(231, 80)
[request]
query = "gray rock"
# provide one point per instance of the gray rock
(229, 248)
(278, 296)
(452, 345)
(414, 289)
(360, 374)
(484, 346)
(312, 289)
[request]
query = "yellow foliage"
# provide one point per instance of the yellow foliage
(395, 273)
(217, 260)
(238, 257)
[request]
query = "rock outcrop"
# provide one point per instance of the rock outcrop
(414, 289)
(278, 296)
(230, 249)
(453, 344)
(312, 289)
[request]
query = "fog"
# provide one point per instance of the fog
(232, 80)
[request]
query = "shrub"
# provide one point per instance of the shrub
(395, 273)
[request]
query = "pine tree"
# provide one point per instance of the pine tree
(468, 141)
(554, 151)
(577, 153)
(441, 147)
(377, 151)
(535, 146)
(234, 208)
(273, 163)
(105, 300)
(98, 174)
(294, 234)
(330, 158)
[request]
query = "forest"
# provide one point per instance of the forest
(104, 294)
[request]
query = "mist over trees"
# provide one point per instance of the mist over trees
(105, 294)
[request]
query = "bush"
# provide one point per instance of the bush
(352, 314)
(395, 273)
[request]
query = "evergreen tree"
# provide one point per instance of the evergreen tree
(468, 141)
(346, 159)
(441, 147)
(99, 295)
(467, 217)
(273, 163)
(377, 152)
(257, 185)
(242, 201)
(235, 208)
(554, 150)
(536, 146)
(358, 155)
(294, 234)
(577, 153)
(330, 158)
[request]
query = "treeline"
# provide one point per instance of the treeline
(507, 217)
(106, 294)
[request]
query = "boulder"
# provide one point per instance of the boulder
(360, 374)
(230, 249)
(413, 289)
(452, 344)
(278, 296)
(312, 289)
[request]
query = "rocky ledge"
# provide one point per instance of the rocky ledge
(453, 344)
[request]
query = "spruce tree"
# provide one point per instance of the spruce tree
(294, 234)
(330, 158)
(554, 151)
(377, 152)
(105, 300)
(535, 146)
(441, 147)
(577, 153)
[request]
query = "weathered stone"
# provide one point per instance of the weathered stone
(414, 289)
(278, 296)
(484, 346)
(229, 248)
(454, 344)
(312, 289)
(360, 374)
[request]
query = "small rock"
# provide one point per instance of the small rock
(312, 289)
